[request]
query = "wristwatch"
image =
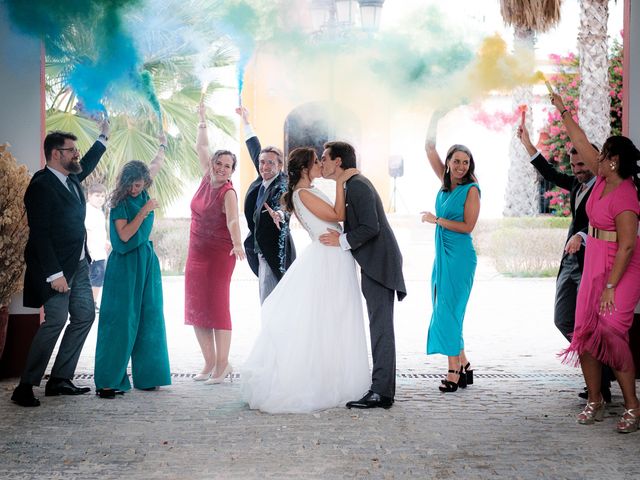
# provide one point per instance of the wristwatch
(103, 137)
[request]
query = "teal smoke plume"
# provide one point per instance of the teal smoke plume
(110, 56)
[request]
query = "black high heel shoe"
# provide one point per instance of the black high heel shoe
(462, 380)
(468, 373)
(448, 385)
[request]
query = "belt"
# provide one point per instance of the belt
(606, 235)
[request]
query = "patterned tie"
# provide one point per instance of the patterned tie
(72, 189)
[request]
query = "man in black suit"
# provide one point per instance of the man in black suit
(579, 185)
(269, 247)
(368, 235)
(57, 274)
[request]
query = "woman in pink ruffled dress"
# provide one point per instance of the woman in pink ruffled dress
(610, 286)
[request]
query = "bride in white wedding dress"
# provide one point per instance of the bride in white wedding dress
(311, 352)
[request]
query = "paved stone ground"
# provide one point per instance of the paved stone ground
(516, 421)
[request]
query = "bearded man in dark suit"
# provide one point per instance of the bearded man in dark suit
(57, 274)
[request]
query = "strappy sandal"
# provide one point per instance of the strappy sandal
(593, 412)
(448, 385)
(629, 421)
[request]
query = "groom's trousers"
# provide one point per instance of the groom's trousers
(380, 302)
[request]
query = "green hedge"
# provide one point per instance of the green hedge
(170, 238)
(523, 247)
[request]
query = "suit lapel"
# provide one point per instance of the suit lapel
(58, 185)
(348, 207)
(267, 196)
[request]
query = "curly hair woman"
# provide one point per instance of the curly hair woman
(131, 322)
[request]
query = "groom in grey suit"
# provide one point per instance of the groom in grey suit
(368, 235)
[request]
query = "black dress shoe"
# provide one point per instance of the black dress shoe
(108, 392)
(63, 386)
(604, 390)
(23, 396)
(371, 400)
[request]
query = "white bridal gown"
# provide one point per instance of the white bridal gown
(311, 352)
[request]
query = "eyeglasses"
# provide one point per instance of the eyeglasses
(70, 149)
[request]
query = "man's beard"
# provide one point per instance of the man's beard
(73, 166)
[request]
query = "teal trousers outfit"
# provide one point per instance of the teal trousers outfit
(452, 278)
(131, 323)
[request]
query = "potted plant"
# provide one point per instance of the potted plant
(14, 180)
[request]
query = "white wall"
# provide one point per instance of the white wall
(20, 101)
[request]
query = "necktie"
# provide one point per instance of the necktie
(260, 198)
(72, 189)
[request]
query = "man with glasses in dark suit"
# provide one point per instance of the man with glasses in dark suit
(269, 246)
(57, 274)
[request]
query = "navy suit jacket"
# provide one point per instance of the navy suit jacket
(262, 230)
(56, 228)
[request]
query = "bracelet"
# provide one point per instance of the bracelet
(610, 285)
(163, 146)
(202, 125)
(436, 222)
(563, 112)
(103, 136)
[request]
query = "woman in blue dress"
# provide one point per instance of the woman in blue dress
(457, 209)
(131, 322)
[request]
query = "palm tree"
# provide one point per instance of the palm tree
(173, 60)
(521, 193)
(595, 102)
(527, 18)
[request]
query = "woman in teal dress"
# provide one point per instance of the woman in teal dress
(457, 210)
(131, 324)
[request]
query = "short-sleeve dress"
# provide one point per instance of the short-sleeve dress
(606, 336)
(209, 266)
(131, 322)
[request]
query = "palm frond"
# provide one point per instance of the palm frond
(536, 15)
(177, 45)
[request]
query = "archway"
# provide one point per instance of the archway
(314, 123)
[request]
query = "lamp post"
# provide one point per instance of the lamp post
(332, 15)
(334, 22)
(370, 13)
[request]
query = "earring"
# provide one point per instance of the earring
(612, 165)
(447, 170)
